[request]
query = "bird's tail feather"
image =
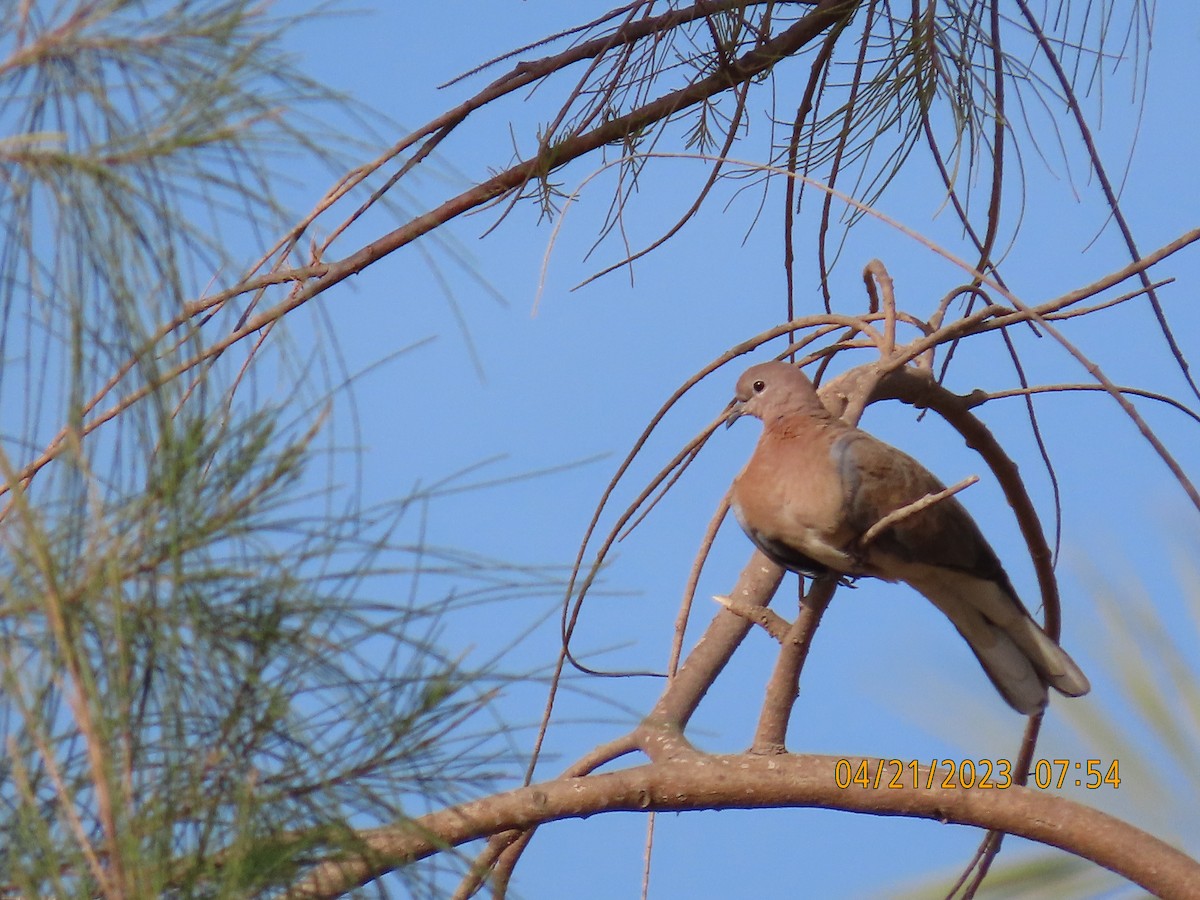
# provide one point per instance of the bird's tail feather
(1006, 664)
(1018, 657)
(1051, 660)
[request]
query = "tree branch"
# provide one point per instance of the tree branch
(749, 781)
(770, 736)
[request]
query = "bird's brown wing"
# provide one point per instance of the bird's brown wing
(879, 479)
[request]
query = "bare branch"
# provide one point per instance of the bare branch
(1110, 195)
(750, 781)
(783, 688)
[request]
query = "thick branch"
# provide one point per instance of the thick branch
(755, 587)
(770, 736)
(754, 782)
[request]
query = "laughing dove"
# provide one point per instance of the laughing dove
(815, 485)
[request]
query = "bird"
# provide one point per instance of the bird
(813, 487)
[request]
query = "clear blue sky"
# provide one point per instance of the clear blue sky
(888, 676)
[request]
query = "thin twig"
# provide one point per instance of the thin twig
(913, 508)
(981, 398)
(1114, 205)
(693, 580)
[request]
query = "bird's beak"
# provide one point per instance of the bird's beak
(734, 411)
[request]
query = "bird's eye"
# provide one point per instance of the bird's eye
(759, 387)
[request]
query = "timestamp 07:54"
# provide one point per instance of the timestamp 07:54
(896, 774)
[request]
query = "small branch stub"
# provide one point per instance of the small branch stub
(771, 622)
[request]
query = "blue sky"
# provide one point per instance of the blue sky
(580, 379)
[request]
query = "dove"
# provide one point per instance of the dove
(814, 486)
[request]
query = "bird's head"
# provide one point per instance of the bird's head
(771, 390)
